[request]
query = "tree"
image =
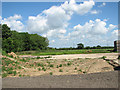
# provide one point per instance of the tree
(98, 46)
(13, 41)
(6, 31)
(80, 46)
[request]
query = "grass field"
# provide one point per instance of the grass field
(60, 52)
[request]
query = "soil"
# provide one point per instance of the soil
(79, 64)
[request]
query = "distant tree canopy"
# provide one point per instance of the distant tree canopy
(80, 46)
(13, 41)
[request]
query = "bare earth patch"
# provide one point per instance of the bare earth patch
(58, 64)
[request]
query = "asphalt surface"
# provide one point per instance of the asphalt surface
(94, 80)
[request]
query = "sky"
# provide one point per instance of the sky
(65, 24)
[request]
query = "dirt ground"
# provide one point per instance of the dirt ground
(74, 56)
(66, 64)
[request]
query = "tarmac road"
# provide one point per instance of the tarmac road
(94, 80)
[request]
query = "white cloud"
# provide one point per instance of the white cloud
(57, 17)
(94, 12)
(53, 41)
(97, 27)
(102, 5)
(111, 27)
(115, 33)
(14, 22)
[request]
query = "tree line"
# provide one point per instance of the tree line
(13, 41)
(81, 46)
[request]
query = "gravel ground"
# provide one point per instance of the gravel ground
(94, 80)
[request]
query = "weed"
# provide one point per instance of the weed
(43, 69)
(104, 57)
(69, 63)
(51, 73)
(4, 75)
(80, 70)
(60, 70)
(84, 72)
(20, 75)
(39, 69)
(10, 72)
(60, 65)
(19, 67)
(14, 73)
(51, 65)
(94, 63)
(48, 62)
(75, 68)
(64, 64)
(57, 66)
(39, 58)
(38, 64)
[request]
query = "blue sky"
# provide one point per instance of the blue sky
(74, 30)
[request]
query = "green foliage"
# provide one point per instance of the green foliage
(39, 69)
(57, 66)
(13, 41)
(104, 57)
(51, 73)
(51, 65)
(80, 70)
(69, 63)
(75, 68)
(60, 70)
(60, 65)
(4, 75)
(80, 46)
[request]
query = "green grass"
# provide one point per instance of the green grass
(60, 52)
